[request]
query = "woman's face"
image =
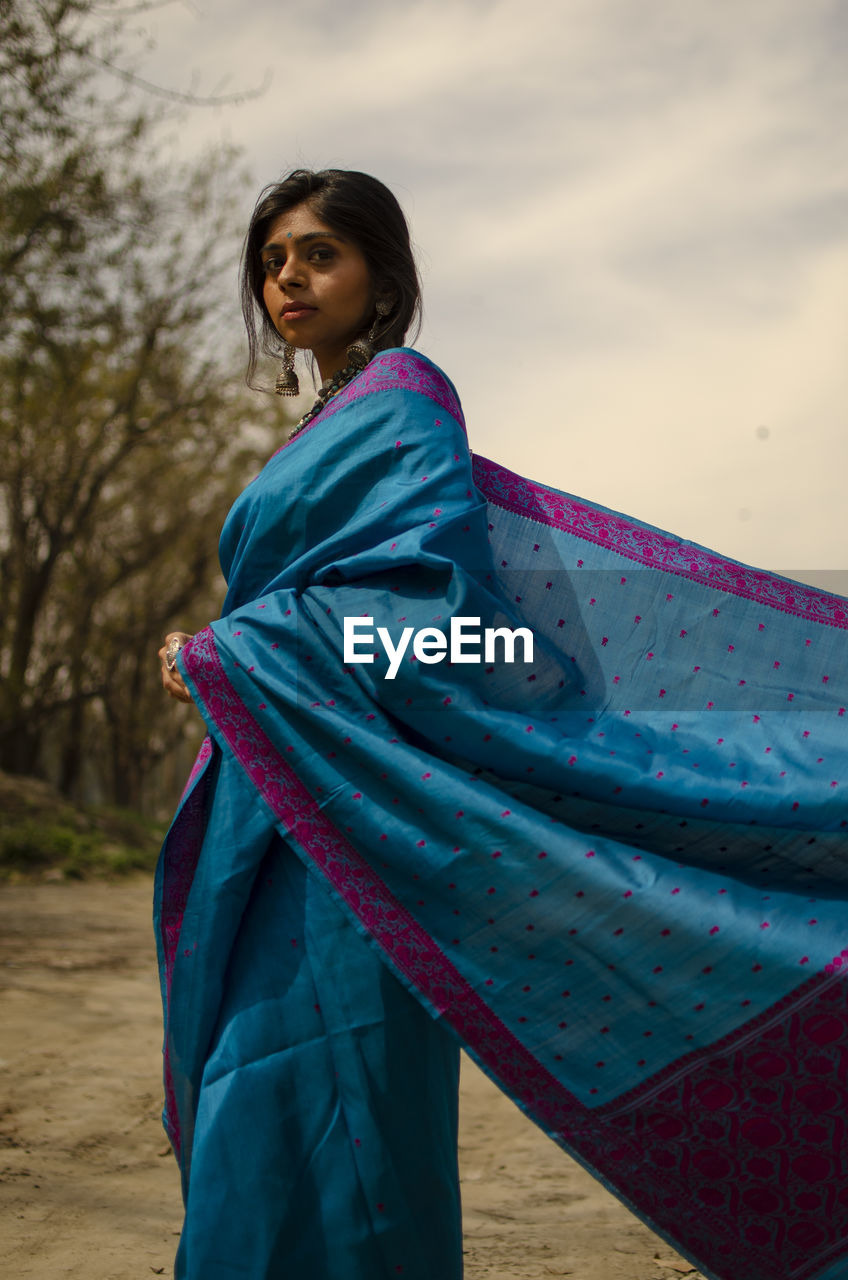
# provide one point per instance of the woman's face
(318, 289)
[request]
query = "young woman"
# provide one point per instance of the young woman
(493, 765)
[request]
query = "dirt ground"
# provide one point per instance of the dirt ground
(88, 1188)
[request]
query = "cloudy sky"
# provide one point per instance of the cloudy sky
(631, 219)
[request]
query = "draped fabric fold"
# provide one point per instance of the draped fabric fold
(615, 869)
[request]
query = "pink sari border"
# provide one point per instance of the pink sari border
(394, 371)
(652, 548)
(183, 844)
(203, 755)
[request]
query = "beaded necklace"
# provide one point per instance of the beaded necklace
(329, 387)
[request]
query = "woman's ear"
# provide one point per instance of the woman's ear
(386, 300)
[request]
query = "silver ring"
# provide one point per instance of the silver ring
(171, 650)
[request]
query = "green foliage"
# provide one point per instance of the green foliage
(122, 403)
(40, 833)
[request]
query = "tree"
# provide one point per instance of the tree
(122, 404)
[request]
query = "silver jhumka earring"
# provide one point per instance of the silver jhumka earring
(287, 383)
(362, 351)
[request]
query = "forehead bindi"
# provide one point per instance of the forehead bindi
(300, 225)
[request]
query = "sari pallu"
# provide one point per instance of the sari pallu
(616, 871)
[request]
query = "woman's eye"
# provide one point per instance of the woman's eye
(321, 254)
(272, 266)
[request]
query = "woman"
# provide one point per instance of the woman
(491, 764)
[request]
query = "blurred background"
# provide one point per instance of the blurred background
(630, 217)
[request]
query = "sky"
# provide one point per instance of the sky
(631, 219)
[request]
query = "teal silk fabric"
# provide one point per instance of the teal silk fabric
(616, 872)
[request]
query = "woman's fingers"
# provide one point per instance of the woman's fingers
(172, 681)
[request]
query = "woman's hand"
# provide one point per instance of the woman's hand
(172, 681)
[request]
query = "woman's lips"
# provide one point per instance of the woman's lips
(298, 312)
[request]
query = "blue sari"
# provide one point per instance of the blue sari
(614, 872)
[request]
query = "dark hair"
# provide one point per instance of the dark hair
(357, 206)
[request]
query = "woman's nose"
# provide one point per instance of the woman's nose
(290, 275)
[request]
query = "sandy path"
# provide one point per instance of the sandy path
(87, 1189)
